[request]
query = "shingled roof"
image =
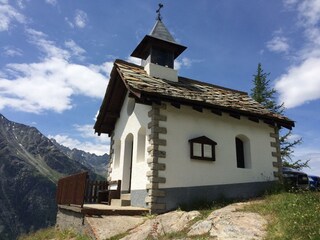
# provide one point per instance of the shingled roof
(200, 95)
(160, 31)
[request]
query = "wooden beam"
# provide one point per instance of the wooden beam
(217, 112)
(131, 95)
(235, 115)
(176, 105)
(157, 101)
(270, 122)
(112, 115)
(105, 129)
(284, 125)
(197, 108)
(254, 119)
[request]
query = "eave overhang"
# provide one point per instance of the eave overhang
(118, 88)
(111, 105)
(143, 49)
(150, 98)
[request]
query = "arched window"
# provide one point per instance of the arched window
(240, 153)
(117, 150)
(141, 145)
(243, 152)
(127, 163)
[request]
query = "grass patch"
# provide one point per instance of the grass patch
(181, 236)
(119, 236)
(52, 233)
(206, 207)
(291, 215)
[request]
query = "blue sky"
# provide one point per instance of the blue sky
(56, 57)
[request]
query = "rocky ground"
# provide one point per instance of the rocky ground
(224, 224)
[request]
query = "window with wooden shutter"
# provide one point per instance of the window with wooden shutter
(202, 148)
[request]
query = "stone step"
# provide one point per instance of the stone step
(120, 202)
(126, 196)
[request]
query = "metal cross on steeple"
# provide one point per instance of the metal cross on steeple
(158, 11)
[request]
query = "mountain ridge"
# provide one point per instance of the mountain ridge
(96, 163)
(30, 165)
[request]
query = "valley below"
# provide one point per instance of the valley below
(30, 166)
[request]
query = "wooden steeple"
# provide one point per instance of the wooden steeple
(159, 47)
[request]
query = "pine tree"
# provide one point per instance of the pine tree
(266, 96)
(263, 94)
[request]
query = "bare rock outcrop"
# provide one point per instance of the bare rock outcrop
(163, 224)
(229, 223)
(105, 227)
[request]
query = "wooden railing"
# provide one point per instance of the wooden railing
(77, 189)
(71, 189)
(93, 189)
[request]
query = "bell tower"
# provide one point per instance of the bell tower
(158, 50)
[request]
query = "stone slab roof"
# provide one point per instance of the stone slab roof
(193, 93)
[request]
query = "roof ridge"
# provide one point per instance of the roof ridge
(185, 78)
(213, 85)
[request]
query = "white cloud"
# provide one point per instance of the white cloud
(9, 15)
(96, 116)
(294, 137)
(301, 83)
(80, 19)
(184, 62)
(177, 64)
(309, 154)
(12, 51)
(52, 2)
(76, 49)
(85, 140)
(289, 3)
(134, 60)
(20, 4)
(46, 46)
(309, 12)
(85, 131)
(51, 83)
(278, 44)
(66, 141)
(69, 22)
(104, 68)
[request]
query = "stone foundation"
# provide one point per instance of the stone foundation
(72, 218)
(190, 196)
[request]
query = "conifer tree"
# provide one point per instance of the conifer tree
(265, 95)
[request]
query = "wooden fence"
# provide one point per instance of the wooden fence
(71, 189)
(77, 189)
